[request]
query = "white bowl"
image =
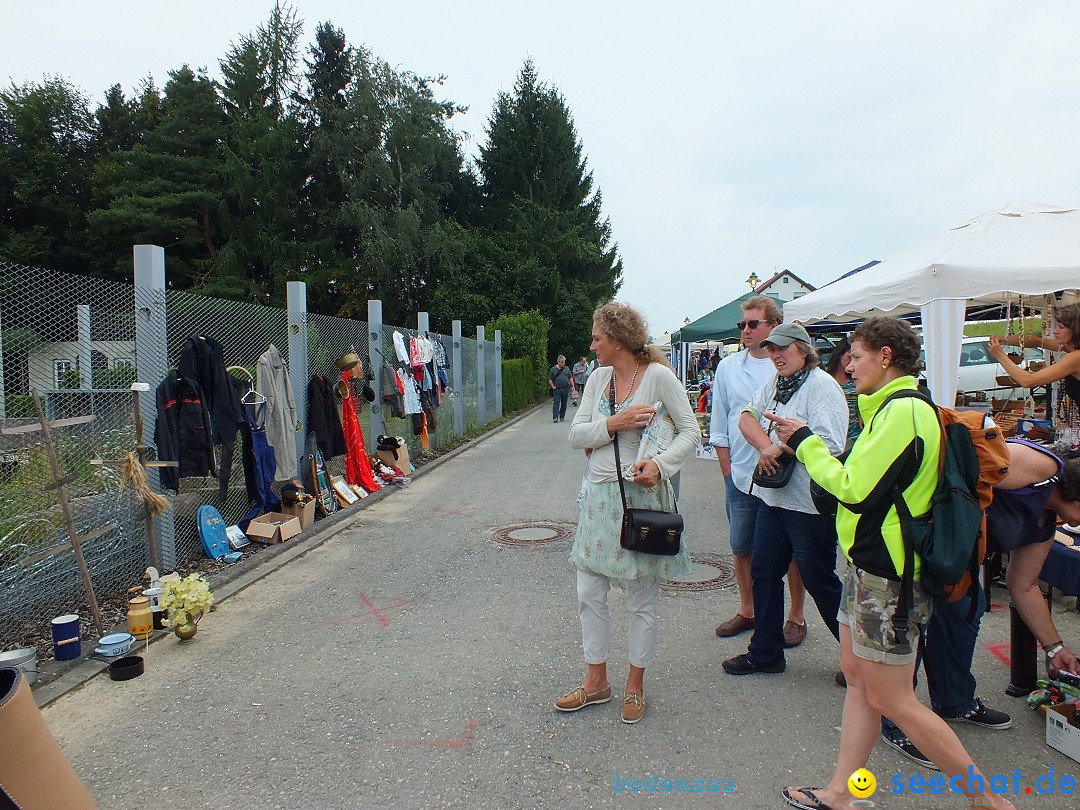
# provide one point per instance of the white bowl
(115, 644)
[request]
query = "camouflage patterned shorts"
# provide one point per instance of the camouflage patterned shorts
(867, 607)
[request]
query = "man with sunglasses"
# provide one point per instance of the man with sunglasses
(738, 376)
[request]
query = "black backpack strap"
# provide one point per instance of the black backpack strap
(900, 619)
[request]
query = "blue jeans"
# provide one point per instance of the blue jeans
(780, 535)
(947, 649)
(559, 398)
(741, 515)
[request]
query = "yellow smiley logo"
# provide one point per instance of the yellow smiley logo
(862, 783)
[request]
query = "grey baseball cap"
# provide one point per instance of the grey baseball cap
(785, 334)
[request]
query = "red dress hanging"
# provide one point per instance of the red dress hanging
(357, 466)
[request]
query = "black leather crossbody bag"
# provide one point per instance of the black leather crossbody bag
(646, 531)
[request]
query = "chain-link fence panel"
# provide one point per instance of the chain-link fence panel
(72, 340)
(245, 331)
(470, 383)
(491, 361)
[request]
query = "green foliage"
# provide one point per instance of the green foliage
(103, 378)
(47, 153)
(519, 377)
(1032, 326)
(19, 406)
(525, 336)
(544, 235)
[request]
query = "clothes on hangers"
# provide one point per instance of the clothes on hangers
(272, 381)
(392, 391)
(203, 360)
(400, 351)
(408, 388)
(323, 419)
(182, 431)
(247, 456)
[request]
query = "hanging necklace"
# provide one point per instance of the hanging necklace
(630, 391)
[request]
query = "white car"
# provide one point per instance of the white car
(978, 369)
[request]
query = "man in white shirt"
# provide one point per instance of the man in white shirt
(738, 376)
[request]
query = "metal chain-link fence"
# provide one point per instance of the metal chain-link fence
(81, 342)
(71, 339)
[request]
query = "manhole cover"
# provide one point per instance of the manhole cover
(706, 574)
(532, 534)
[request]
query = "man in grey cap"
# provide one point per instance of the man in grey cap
(738, 376)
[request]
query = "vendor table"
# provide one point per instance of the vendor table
(1061, 571)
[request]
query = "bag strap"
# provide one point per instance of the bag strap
(618, 462)
(768, 432)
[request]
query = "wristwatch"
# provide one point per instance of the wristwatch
(1052, 651)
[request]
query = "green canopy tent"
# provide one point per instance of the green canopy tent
(720, 324)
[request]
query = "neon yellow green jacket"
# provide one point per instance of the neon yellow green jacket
(902, 444)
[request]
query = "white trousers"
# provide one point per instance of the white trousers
(642, 607)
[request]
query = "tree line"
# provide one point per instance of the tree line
(325, 165)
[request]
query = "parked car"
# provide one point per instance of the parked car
(978, 369)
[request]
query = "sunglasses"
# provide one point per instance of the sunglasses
(753, 324)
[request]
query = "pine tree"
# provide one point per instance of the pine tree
(47, 150)
(540, 212)
(168, 190)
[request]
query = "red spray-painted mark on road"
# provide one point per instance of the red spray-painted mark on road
(1002, 652)
(462, 740)
(367, 610)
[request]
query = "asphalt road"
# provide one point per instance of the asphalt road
(411, 662)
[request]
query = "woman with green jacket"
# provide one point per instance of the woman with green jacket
(900, 446)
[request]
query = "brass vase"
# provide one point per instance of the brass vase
(186, 632)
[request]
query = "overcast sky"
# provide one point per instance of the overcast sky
(727, 138)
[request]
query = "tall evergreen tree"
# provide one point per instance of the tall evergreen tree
(541, 213)
(168, 190)
(47, 149)
(262, 162)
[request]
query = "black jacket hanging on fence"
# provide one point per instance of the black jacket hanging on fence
(323, 418)
(182, 430)
(202, 360)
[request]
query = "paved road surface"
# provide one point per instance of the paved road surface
(411, 662)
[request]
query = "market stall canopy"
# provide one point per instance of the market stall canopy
(717, 325)
(1020, 249)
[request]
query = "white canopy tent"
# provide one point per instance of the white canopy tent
(1021, 249)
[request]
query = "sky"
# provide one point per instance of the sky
(727, 138)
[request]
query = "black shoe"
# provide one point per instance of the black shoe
(554, 419)
(987, 718)
(908, 749)
(841, 679)
(562, 418)
(742, 665)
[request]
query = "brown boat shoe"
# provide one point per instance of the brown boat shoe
(633, 708)
(735, 625)
(794, 634)
(579, 699)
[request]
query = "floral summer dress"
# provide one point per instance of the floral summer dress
(596, 546)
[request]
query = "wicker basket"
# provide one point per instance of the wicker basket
(1006, 423)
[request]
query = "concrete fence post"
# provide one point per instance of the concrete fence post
(498, 373)
(457, 377)
(481, 375)
(86, 349)
(376, 357)
(151, 366)
(296, 301)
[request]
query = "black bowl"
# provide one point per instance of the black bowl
(124, 669)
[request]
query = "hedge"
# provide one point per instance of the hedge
(519, 384)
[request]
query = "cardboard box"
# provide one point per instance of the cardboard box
(304, 512)
(401, 461)
(1060, 734)
(273, 527)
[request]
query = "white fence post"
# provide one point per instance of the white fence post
(481, 374)
(376, 358)
(296, 300)
(151, 365)
(457, 374)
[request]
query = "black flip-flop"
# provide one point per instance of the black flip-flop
(811, 802)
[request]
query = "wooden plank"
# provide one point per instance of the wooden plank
(74, 420)
(52, 552)
(63, 482)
